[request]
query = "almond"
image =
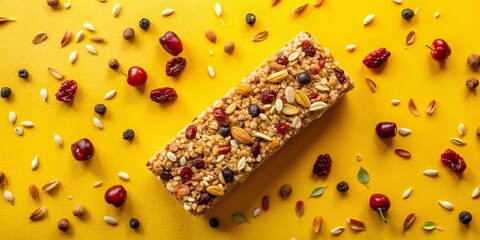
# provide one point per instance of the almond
(241, 135)
(97, 39)
(211, 36)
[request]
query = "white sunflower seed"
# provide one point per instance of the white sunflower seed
(461, 129)
(241, 163)
(458, 141)
(317, 106)
(167, 12)
(211, 72)
(337, 230)
(256, 212)
(43, 94)
(407, 193)
(79, 36)
(91, 49)
(110, 95)
(397, 1)
(110, 220)
(183, 160)
(218, 9)
(73, 57)
(368, 19)
(446, 205)
(395, 102)
(68, 5)
(430, 172)
(89, 27)
(220, 158)
(123, 175)
(97, 123)
(9, 197)
(18, 131)
(263, 136)
(437, 14)
(476, 192)
(34, 163)
(27, 124)
(350, 47)
(171, 157)
(404, 131)
(12, 117)
(278, 105)
(290, 94)
(58, 140)
(97, 184)
(116, 10)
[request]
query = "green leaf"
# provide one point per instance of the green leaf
(318, 191)
(363, 176)
(238, 217)
(429, 226)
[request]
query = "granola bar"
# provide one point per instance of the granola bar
(229, 140)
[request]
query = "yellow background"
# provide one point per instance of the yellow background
(346, 130)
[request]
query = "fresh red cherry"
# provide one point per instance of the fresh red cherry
(82, 149)
(171, 43)
(136, 76)
(116, 195)
(386, 129)
(379, 202)
(440, 50)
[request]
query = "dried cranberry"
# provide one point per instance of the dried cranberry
(224, 150)
(67, 91)
(453, 161)
(321, 62)
(340, 75)
(166, 175)
(255, 149)
(227, 175)
(282, 60)
(220, 116)
(282, 128)
(175, 66)
(163, 95)
(186, 174)
(204, 198)
(171, 43)
(314, 95)
(190, 132)
(267, 96)
(308, 48)
(198, 163)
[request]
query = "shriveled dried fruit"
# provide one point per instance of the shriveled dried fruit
(454, 161)
(163, 95)
(474, 61)
(67, 91)
(128, 34)
(175, 66)
(322, 165)
(472, 83)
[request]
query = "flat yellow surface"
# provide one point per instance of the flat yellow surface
(344, 131)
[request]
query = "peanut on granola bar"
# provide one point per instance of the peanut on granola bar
(237, 133)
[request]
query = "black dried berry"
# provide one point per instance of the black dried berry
(254, 110)
(204, 198)
(408, 14)
(5, 92)
(322, 165)
(166, 175)
(465, 217)
(100, 109)
(250, 19)
(304, 78)
(23, 73)
(144, 24)
(134, 223)
(198, 163)
(227, 175)
(342, 186)
(224, 131)
(128, 135)
(214, 223)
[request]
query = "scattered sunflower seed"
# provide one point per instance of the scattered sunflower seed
(446, 205)
(241, 163)
(9, 197)
(211, 72)
(58, 140)
(461, 130)
(167, 12)
(368, 19)
(97, 123)
(110, 95)
(79, 36)
(397, 1)
(123, 175)
(410, 38)
(34, 163)
(19, 131)
(43, 94)
(404, 131)
(55, 73)
(350, 47)
(110, 220)
(476, 192)
(430, 172)
(39, 37)
(458, 141)
(171, 157)
(407, 193)
(91, 49)
(73, 57)
(89, 27)
(12, 117)
(337, 230)
(116, 10)
(97, 184)
(256, 212)
(27, 124)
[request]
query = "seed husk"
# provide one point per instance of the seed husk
(275, 2)
(410, 38)
(55, 73)
(412, 107)
(261, 36)
(9, 197)
(73, 57)
(300, 9)
(39, 37)
(211, 36)
(316, 224)
(431, 107)
(403, 153)
(368, 19)
(50, 185)
(38, 214)
(67, 36)
(116, 10)
(318, 3)
(371, 84)
(6, 19)
(356, 225)
(408, 221)
(458, 141)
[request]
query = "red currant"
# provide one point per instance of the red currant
(136, 76)
(82, 149)
(116, 195)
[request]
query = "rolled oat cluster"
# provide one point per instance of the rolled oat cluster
(252, 121)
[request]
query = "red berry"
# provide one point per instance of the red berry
(453, 161)
(379, 202)
(220, 116)
(163, 95)
(282, 128)
(340, 74)
(171, 43)
(322, 165)
(267, 96)
(282, 60)
(224, 150)
(190, 132)
(175, 66)
(440, 50)
(386, 129)
(82, 149)
(136, 76)
(67, 91)
(116, 195)
(376, 58)
(186, 174)
(308, 48)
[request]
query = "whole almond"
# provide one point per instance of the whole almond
(50, 185)
(38, 214)
(229, 47)
(241, 135)
(32, 189)
(211, 36)
(79, 210)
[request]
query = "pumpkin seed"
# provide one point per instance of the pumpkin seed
(167, 12)
(461, 129)
(79, 36)
(171, 157)
(211, 72)
(431, 172)
(476, 192)
(278, 105)
(218, 9)
(337, 230)
(34, 163)
(412, 107)
(368, 19)
(407, 193)
(9, 197)
(183, 160)
(256, 212)
(241, 163)
(73, 57)
(19, 131)
(110, 220)
(410, 38)
(58, 140)
(123, 175)
(12, 117)
(43, 94)
(446, 205)
(116, 10)
(356, 225)
(55, 73)
(350, 47)
(404, 131)
(98, 123)
(27, 124)
(39, 37)
(458, 141)
(89, 27)
(68, 5)
(110, 95)
(220, 158)
(91, 49)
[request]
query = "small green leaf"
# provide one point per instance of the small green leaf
(429, 226)
(363, 176)
(238, 217)
(318, 191)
